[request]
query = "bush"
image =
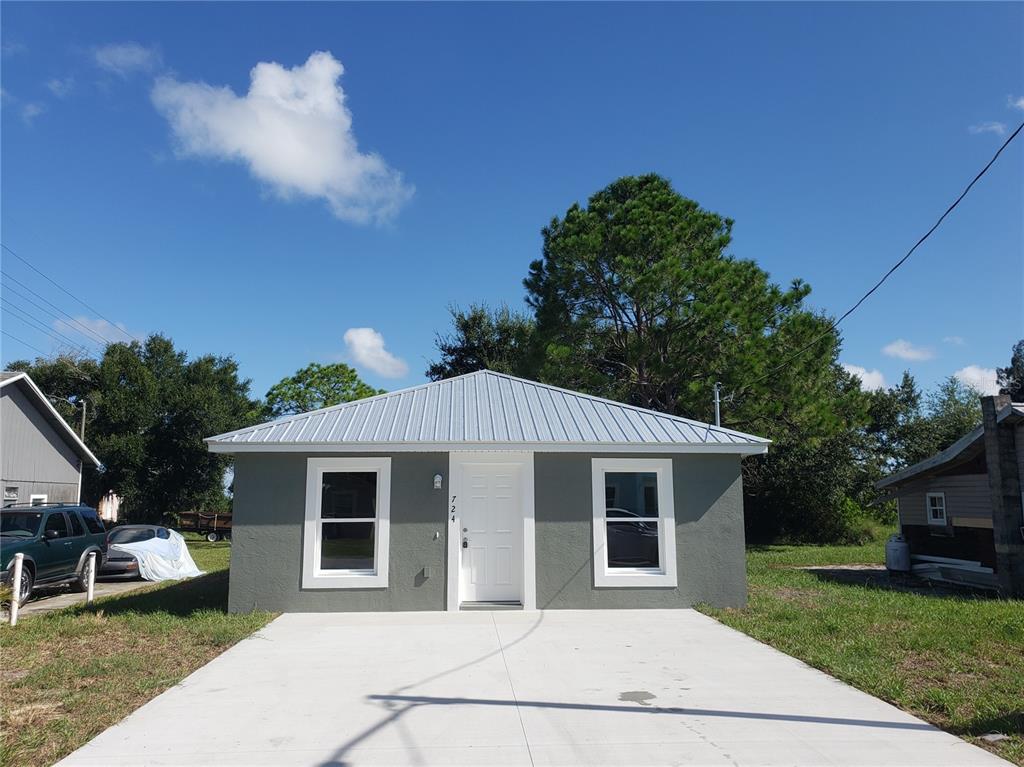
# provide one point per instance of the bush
(856, 527)
(883, 513)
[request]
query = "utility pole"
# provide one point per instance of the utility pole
(718, 405)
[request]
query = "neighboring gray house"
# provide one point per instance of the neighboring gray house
(961, 510)
(482, 490)
(41, 457)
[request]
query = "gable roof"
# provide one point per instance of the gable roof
(486, 410)
(49, 412)
(964, 449)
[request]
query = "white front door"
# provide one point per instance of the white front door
(489, 503)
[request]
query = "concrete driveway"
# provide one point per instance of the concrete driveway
(639, 687)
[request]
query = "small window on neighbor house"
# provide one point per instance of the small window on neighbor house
(37, 500)
(936, 508)
(10, 493)
(347, 523)
(634, 522)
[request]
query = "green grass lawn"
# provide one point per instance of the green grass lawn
(68, 675)
(955, 661)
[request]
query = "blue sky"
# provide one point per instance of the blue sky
(269, 224)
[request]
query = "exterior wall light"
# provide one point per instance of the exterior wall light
(437, 481)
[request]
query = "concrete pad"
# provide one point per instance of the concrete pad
(47, 599)
(638, 687)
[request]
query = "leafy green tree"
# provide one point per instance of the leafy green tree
(482, 339)
(151, 407)
(896, 435)
(1011, 378)
(637, 299)
(898, 432)
(316, 386)
(953, 409)
(905, 427)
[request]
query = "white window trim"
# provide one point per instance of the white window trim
(41, 497)
(928, 509)
(312, 576)
(664, 576)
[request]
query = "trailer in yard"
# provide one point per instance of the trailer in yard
(213, 526)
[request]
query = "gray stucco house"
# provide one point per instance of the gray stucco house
(486, 490)
(961, 511)
(41, 457)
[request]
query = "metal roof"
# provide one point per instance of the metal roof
(486, 410)
(49, 412)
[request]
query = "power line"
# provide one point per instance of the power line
(24, 343)
(6, 304)
(835, 323)
(68, 292)
(32, 322)
(67, 319)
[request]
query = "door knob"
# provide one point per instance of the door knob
(465, 543)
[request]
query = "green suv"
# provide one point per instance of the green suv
(56, 540)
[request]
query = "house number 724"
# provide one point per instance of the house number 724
(453, 508)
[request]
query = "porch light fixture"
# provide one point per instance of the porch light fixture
(437, 481)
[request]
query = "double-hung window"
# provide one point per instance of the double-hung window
(348, 504)
(936, 508)
(634, 522)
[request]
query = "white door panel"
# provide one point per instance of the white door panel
(491, 526)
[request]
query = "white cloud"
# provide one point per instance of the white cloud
(366, 346)
(870, 380)
(988, 127)
(293, 131)
(1015, 102)
(982, 379)
(61, 87)
(101, 328)
(954, 340)
(31, 111)
(905, 350)
(125, 59)
(11, 48)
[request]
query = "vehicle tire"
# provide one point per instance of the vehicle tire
(28, 580)
(213, 537)
(81, 584)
